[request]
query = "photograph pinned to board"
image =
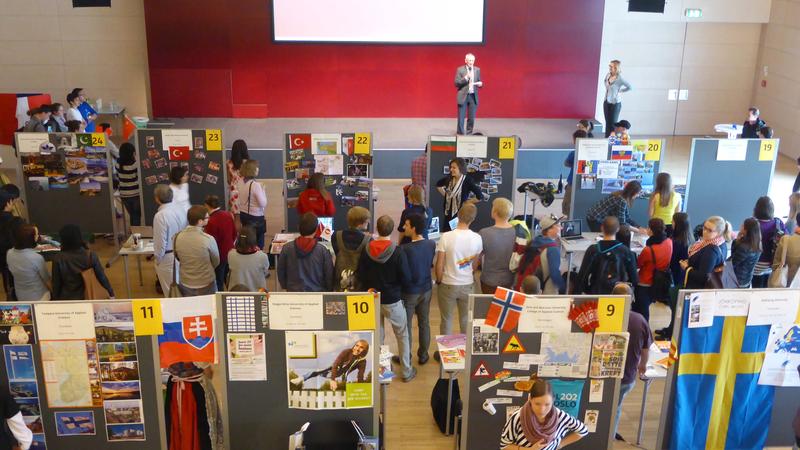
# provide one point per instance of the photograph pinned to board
(326, 144)
(608, 354)
(75, 423)
(339, 377)
(39, 184)
(589, 182)
(199, 155)
(357, 170)
(329, 164)
(485, 339)
(125, 432)
(247, 359)
(611, 186)
(16, 324)
(123, 411)
(90, 188)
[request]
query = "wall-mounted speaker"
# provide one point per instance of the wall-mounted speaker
(91, 3)
(649, 6)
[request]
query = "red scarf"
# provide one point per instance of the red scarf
(699, 245)
(536, 431)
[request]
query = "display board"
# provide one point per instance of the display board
(564, 353)
(63, 174)
(80, 377)
(491, 164)
(198, 150)
(346, 161)
(714, 169)
(280, 348)
(736, 349)
(637, 159)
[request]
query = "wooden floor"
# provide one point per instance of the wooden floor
(410, 424)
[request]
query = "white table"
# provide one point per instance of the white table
(128, 250)
(654, 371)
(731, 129)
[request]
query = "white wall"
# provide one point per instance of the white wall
(47, 46)
(713, 57)
(779, 101)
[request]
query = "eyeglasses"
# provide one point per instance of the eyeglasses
(710, 230)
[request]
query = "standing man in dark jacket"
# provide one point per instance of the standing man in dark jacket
(304, 265)
(8, 223)
(384, 268)
(420, 252)
(592, 278)
(468, 80)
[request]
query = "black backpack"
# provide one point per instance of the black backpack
(331, 435)
(439, 404)
(608, 271)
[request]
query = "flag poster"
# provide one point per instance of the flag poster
(188, 331)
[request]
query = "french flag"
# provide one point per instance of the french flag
(14, 112)
(505, 309)
(188, 330)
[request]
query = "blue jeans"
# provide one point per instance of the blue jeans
(421, 305)
(467, 110)
(624, 389)
(396, 313)
(258, 223)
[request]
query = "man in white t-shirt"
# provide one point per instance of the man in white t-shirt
(457, 257)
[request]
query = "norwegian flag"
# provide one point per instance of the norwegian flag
(505, 309)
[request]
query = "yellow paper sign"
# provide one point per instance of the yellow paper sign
(214, 140)
(147, 317)
(98, 139)
(362, 143)
(507, 147)
(653, 151)
(360, 315)
(767, 152)
(610, 311)
(639, 145)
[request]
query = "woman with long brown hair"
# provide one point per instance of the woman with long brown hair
(617, 205)
(315, 198)
(664, 202)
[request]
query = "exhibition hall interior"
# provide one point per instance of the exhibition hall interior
(371, 225)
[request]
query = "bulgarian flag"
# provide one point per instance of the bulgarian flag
(443, 143)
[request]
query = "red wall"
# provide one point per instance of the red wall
(216, 58)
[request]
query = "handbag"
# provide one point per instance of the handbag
(662, 280)
(93, 290)
(780, 278)
(174, 289)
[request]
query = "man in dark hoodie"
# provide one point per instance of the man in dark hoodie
(384, 268)
(305, 265)
(607, 263)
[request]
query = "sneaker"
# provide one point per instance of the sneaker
(619, 437)
(412, 376)
(297, 381)
(423, 359)
(436, 356)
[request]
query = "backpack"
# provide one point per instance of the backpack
(344, 271)
(439, 404)
(331, 435)
(522, 237)
(608, 271)
(532, 267)
(662, 280)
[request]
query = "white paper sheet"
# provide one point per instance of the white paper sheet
(326, 144)
(176, 138)
(782, 356)
(701, 309)
(596, 391)
(298, 312)
(544, 315)
(731, 302)
(773, 307)
(246, 357)
(30, 142)
(732, 150)
(592, 150)
(62, 321)
(471, 146)
(329, 164)
(608, 170)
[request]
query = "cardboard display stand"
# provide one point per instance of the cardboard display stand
(258, 410)
(650, 153)
(66, 179)
(199, 150)
(488, 355)
(717, 373)
(495, 173)
(744, 177)
(349, 184)
(67, 428)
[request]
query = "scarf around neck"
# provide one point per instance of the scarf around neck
(533, 429)
(703, 243)
(452, 200)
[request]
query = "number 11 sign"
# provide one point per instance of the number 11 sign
(147, 319)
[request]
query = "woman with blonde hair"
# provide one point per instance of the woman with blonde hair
(664, 202)
(416, 205)
(706, 254)
(252, 200)
(615, 86)
(794, 209)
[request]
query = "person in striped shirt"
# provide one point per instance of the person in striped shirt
(538, 424)
(129, 182)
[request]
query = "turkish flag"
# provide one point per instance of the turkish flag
(179, 153)
(299, 142)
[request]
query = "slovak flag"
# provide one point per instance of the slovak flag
(505, 309)
(188, 330)
(299, 142)
(180, 153)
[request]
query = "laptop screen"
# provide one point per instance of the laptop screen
(327, 222)
(570, 228)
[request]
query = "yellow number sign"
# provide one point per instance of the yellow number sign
(147, 317)
(767, 152)
(360, 315)
(610, 312)
(214, 140)
(507, 147)
(98, 139)
(362, 144)
(653, 151)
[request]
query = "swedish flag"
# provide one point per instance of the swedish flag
(718, 402)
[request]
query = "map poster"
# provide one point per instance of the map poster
(66, 373)
(782, 356)
(608, 354)
(566, 355)
(58, 321)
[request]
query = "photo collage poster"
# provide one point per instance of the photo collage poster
(62, 160)
(616, 164)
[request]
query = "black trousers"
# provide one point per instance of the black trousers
(611, 115)
(467, 110)
(259, 223)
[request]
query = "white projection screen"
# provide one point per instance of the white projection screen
(378, 21)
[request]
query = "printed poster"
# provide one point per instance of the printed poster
(329, 164)
(701, 309)
(485, 339)
(732, 150)
(57, 321)
(566, 355)
(608, 354)
(545, 315)
(31, 142)
(782, 356)
(66, 373)
(16, 324)
(607, 170)
(339, 377)
(247, 359)
(592, 150)
(176, 138)
(771, 307)
(471, 146)
(567, 395)
(326, 144)
(296, 312)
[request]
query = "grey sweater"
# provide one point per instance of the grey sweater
(30, 274)
(305, 271)
(248, 269)
(614, 90)
(198, 255)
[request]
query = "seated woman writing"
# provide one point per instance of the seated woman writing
(538, 424)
